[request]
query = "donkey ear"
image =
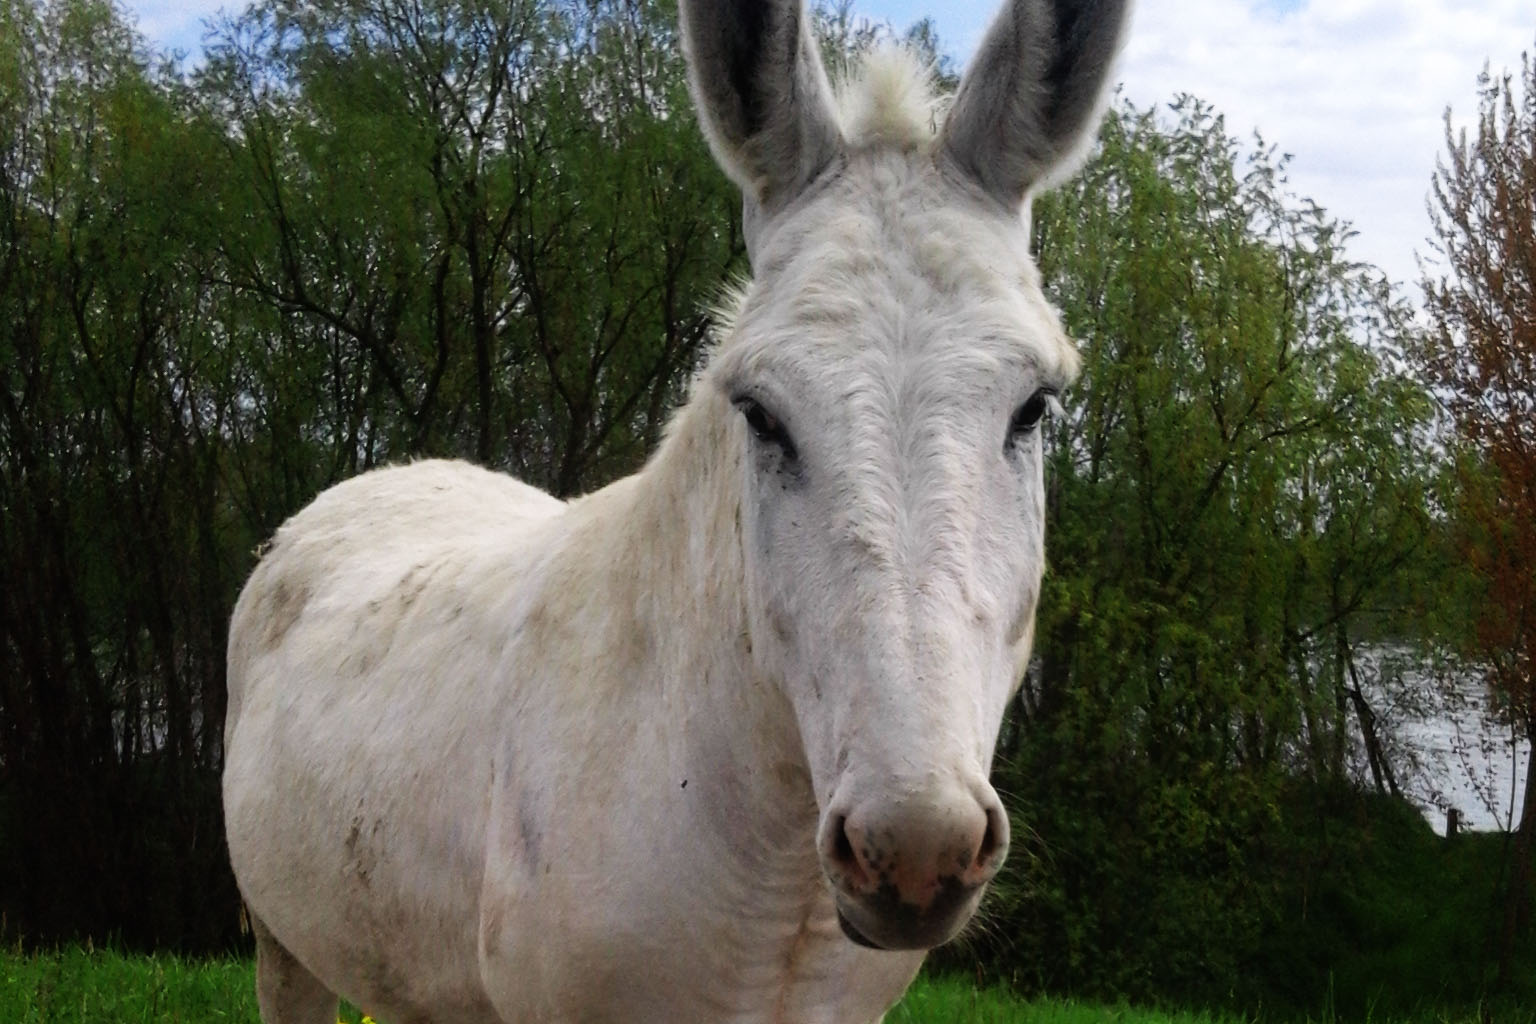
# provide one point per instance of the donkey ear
(1031, 98)
(762, 94)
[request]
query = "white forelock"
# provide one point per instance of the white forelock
(890, 98)
(890, 111)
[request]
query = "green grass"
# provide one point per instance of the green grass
(78, 986)
(946, 1000)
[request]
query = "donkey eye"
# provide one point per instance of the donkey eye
(765, 426)
(1028, 416)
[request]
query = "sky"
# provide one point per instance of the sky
(1354, 90)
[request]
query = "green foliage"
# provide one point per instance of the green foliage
(484, 228)
(116, 539)
(1397, 921)
(1236, 494)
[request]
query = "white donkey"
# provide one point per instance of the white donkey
(710, 744)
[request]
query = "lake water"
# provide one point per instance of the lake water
(1445, 747)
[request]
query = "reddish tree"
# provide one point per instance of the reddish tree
(1481, 354)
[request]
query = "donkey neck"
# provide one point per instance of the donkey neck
(673, 574)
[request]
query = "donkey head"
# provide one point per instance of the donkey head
(889, 366)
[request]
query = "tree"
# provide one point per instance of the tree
(1481, 356)
(1236, 493)
(486, 224)
(113, 544)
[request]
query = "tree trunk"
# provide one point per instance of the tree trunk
(1516, 903)
(1381, 769)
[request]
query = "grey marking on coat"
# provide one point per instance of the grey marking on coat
(285, 605)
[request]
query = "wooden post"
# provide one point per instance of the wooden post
(1452, 822)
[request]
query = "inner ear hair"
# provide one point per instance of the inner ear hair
(762, 94)
(1032, 97)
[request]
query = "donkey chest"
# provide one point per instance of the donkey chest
(816, 976)
(797, 969)
(666, 953)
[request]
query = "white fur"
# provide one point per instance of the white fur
(496, 758)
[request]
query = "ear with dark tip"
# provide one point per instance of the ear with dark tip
(1030, 101)
(761, 93)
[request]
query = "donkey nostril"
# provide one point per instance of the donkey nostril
(842, 846)
(994, 842)
(842, 856)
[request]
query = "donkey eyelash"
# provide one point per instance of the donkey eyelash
(764, 425)
(1029, 413)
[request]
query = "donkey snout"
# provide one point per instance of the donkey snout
(908, 873)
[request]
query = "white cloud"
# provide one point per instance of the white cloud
(1355, 90)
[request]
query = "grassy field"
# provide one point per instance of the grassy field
(92, 987)
(80, 987)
